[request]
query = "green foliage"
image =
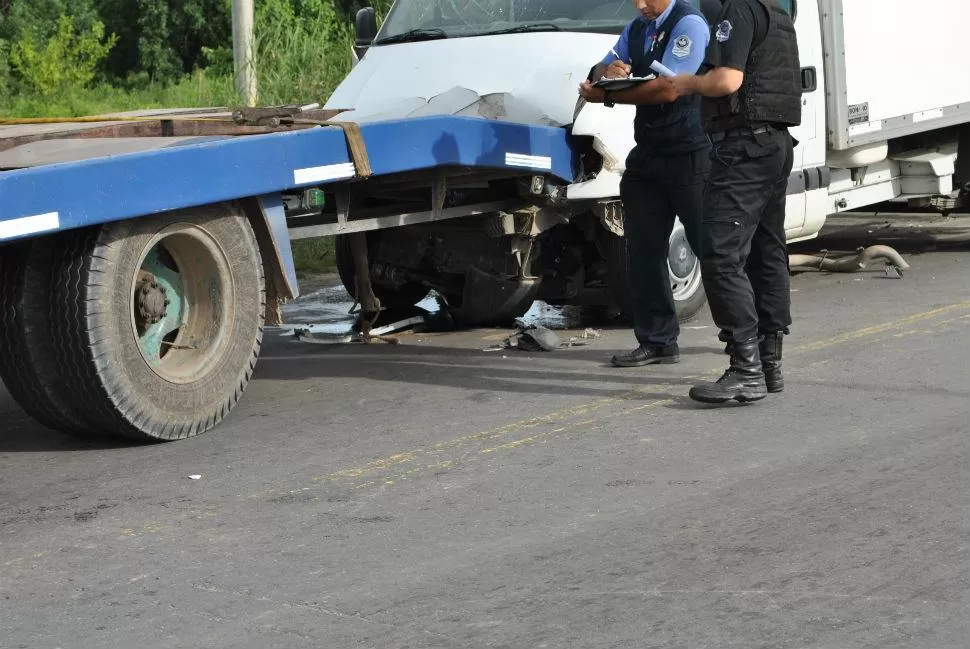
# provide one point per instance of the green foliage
(164, 39)
(314, 255)
(39, 18)
(68, 60)
(155, 56)
(302, 50)
(5, 79)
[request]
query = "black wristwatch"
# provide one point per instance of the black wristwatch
(609, 103)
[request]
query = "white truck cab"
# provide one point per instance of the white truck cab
(862, 141)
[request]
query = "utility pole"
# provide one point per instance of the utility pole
(242, 50)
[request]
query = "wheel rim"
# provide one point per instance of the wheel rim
(181, 310)
(683, 265)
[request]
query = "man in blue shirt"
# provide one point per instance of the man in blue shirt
(667, 169)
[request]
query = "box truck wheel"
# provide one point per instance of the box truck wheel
(157, 322)
(27, 364)
(401, 296)
(682, 264)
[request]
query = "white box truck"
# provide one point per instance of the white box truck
(884, 119)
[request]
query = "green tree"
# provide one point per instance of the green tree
(39, 18)
(164, 39)
(66, 61)
(155, 54)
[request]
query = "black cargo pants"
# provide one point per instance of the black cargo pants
(744, 256)
(655, 190)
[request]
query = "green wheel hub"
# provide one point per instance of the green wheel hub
(181, 309)
(160, 306)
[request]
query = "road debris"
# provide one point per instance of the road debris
(895, 263)
(536, 338)
(388, 322)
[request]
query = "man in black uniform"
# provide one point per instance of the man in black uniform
(667, 168)
(752, 94)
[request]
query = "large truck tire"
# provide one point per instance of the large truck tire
(682, 264)
(27, 364)
(157, 322)
(391, 297)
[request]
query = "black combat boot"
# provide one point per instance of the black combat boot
(770, 350)
(743, 381)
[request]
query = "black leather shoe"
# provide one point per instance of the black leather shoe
(647, 356)
(770, 350)
(743, 381)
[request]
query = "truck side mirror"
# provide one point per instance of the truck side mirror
(366, 26)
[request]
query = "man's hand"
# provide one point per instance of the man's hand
(718, 82)
(591, 94)
(684, 84)
(617, 70)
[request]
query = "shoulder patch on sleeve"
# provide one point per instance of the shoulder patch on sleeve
(682, 46)
(723, 31)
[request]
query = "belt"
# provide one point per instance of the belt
(740, 131)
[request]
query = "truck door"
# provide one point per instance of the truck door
(810, 152)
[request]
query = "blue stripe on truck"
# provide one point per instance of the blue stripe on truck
(137, 184)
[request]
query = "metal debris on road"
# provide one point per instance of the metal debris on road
(536, 338)
(895, 263)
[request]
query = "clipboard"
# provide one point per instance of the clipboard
(622, 83)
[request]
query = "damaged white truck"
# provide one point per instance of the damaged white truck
(861, 142)
(140, 258)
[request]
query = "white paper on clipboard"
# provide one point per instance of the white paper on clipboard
(662, 69)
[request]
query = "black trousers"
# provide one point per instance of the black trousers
(654, 191)
(744, 256)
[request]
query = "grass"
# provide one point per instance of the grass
(313, 256)
(195, 91)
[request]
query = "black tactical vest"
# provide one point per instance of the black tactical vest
(665, 129)
(772, 89)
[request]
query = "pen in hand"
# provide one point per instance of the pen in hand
(618, 57)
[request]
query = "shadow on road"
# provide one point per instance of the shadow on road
(473, 369)
(19, 433)
(572, 371)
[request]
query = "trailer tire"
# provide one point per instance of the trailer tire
(158, 321)
(682, 264)
(391, 297)
(27, 364)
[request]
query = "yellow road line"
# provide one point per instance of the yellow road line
(878, 329)
(561, 418)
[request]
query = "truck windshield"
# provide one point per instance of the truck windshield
(458, 18)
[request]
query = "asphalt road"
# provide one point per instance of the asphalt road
(434, 495)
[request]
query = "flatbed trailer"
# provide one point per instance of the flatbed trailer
(141, 255)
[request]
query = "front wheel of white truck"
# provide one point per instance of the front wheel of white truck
(157, 322)
(683, 266)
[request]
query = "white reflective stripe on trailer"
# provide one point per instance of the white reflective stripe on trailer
(323, 174)
(29, 225)
(528, 161)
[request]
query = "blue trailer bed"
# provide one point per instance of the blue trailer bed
(209, 170)
(137, 273)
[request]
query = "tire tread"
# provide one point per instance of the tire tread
(81, 343)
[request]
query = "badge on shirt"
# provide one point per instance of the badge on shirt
(723, 31)
(682, 45)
